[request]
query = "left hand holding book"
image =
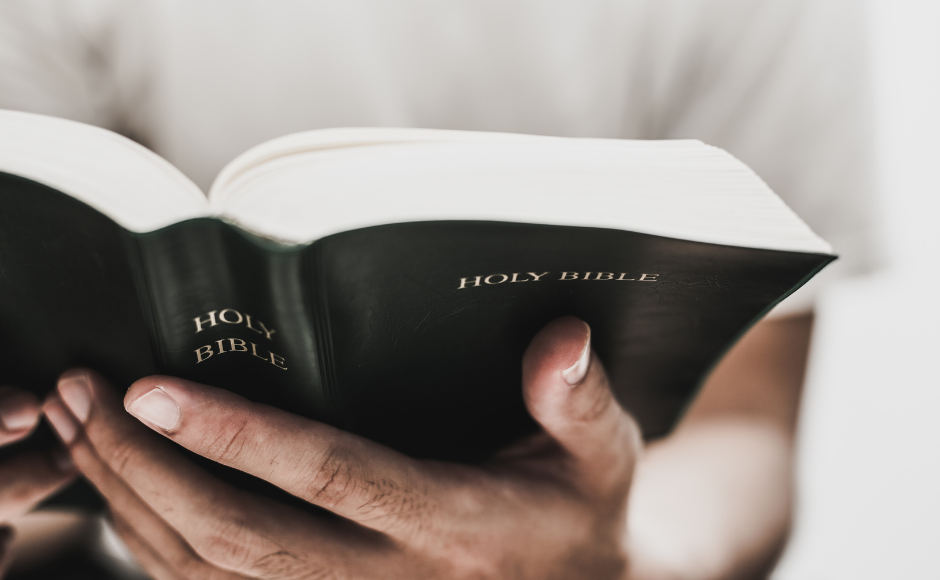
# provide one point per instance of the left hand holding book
(553, 505)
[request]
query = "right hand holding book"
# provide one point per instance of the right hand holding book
(553, 505)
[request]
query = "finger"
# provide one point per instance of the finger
(158, 562)
(346, 474)
(226, 527)
(19, 414)
(124, 503)
(567, 392)
(28, 478)
(145, 556)
(6, 545)
(121, 498)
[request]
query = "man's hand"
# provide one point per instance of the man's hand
(553, 506)
(27, 478)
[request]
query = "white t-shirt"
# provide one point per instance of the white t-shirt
(781, 84)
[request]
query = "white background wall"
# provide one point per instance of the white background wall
(869, 469)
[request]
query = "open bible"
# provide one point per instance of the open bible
(387, 281)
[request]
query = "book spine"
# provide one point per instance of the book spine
(319, 306)
(232, 311)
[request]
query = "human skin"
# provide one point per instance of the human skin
(28, 477)
(582, 499)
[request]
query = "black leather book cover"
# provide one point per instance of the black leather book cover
(411, 334)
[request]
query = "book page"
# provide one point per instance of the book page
(134, 186)
(679, 189)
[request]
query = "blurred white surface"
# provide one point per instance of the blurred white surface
(869, 464)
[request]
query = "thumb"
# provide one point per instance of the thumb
(567, 392)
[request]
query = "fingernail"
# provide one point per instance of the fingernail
(62, 460)
(61, 420)
(18, 414)
(76, 395)
(157, 408)
(576, 372)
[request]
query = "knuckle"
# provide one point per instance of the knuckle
(332, 478)
(187, 566)
(231, 544)
(596, 403)
(283, 564)
(337, 480)
(387, 500)
(123, 456)
(230, 441)
(235, 546)
(469, 558)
